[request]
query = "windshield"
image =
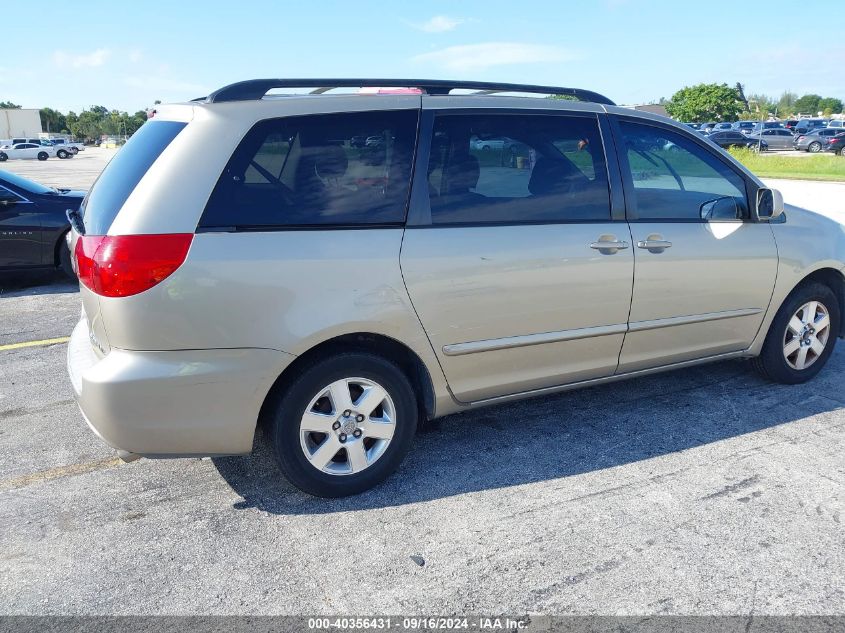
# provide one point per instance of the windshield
(23, 183)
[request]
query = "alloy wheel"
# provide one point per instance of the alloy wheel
(347, 426)
(806, 336)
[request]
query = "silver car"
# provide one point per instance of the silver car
(245, 260)
(777, 138)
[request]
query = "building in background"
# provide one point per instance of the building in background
(19, 122)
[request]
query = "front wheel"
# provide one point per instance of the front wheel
(3, 157)
(74, 150)
(802, 335)
(344, 425)
(62, 154)
(43, 156)
(814, 147)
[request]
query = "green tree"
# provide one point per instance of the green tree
(9, 105)
(52, 120)
(808, 104)
(830, 105)
(705, 102)
(786, 103)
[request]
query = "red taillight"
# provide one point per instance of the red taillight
(124, 265)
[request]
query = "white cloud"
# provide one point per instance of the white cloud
(63, 59)
(439, 24)
(135, 55)
(470, 57)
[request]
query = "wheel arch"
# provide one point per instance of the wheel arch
(407, 360)
(833, 279)
(57, 247)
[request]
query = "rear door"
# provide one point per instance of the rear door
(705, 269)
(516, 256)
(20, 231)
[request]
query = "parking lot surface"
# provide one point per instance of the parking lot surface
(704, 491)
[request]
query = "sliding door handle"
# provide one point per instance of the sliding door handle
(609, 246)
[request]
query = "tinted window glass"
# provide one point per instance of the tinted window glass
(23, 183)
(8, 196)
(124, 172)
(328, 169)
(674, 177)
(517, 168)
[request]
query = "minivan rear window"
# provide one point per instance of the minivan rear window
(124, 172)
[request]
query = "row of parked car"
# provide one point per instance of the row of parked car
(38, 148)
(809, 135)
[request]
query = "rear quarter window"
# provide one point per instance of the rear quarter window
(124, 172)
(348, 169)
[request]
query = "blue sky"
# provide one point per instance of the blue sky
(126, 55)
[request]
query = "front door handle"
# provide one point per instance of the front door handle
(654, 243)
(608, 244)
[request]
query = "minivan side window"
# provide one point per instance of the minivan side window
(350, 169)
(674, 178)
(517, 168)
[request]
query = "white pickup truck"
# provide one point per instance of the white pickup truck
(73, 147)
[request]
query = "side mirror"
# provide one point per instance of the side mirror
(769, 204)
(724, 208)
(8, 202)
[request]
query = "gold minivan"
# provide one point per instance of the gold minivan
(344, 265)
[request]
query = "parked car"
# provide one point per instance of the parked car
(732, 138)
(707, 127)
(836, 144)
(814, 141)
(72, 146)
(25, 151)
(777, 138)
(808, 125)
(723, 126)
(33, 224)
(746, 127)
(694, 126)
(790, 124)
(836, 123)
(298, 282)
(767, 125)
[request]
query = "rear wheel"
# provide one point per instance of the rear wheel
(802, 335)
(344, 425)
(64, 258)
(3, 157)
(814, 147)
(43, 156)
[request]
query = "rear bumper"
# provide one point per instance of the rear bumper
(172, 403)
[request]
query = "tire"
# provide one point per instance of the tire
(43, 156)
(3, 157)
(773, 363)
(814, 147)
(296, 446)
(62, 154)
(74, 150)
(64, 258)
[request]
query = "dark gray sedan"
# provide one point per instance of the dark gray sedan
(777, 138)
(816, 140)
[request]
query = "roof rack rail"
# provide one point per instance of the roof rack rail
(256, 88)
